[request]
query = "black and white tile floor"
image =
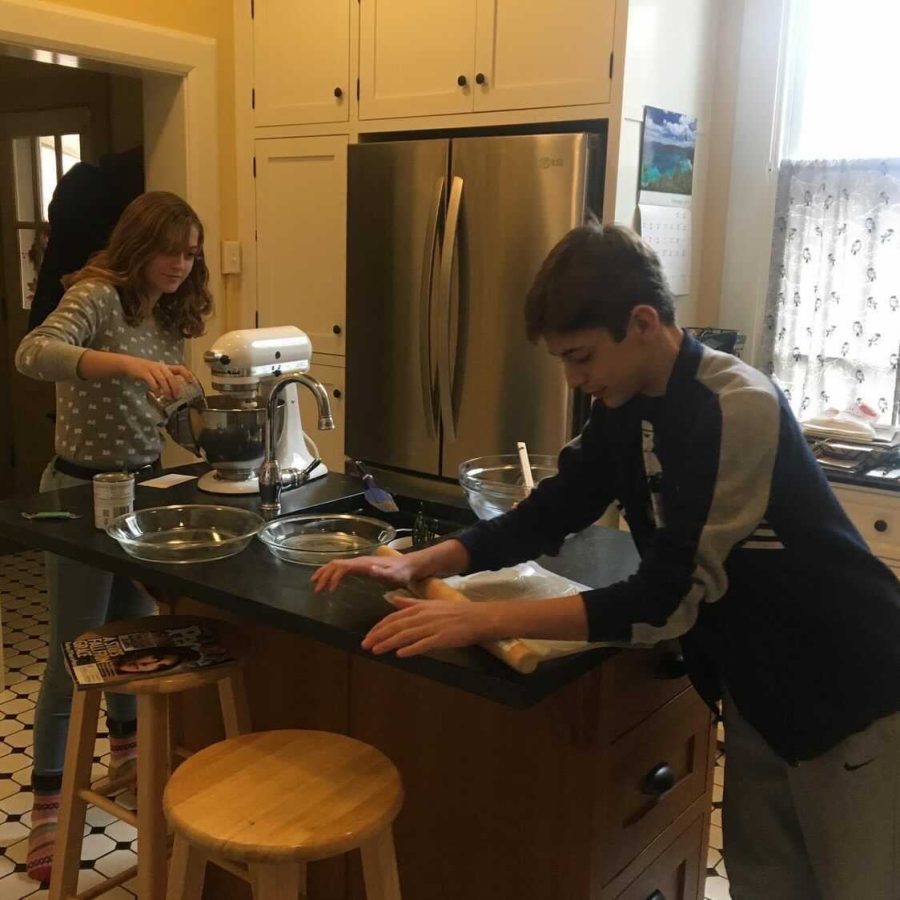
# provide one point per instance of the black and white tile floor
(109, 845)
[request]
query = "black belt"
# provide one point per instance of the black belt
(76, 471)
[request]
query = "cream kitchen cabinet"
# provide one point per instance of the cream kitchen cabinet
(301, 224)
(330, 443)
(435, 58)
(876, 513)
(301, 52)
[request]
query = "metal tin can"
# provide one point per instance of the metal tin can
(191, 394)
(113, 496)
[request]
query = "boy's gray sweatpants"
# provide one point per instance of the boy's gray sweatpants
(826, 829)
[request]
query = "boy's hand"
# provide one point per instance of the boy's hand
(391, 570)
(423, 625)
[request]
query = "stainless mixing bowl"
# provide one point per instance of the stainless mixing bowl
(231, 434)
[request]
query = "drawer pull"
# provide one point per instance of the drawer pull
(881, 526)
(671, 666)
(658, 780)
(657, 895)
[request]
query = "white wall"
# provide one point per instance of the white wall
(669, 63)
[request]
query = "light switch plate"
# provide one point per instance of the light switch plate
(231, 257)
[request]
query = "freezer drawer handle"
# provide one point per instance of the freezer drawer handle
(658, 780)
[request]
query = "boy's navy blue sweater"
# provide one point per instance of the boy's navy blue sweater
(746, 554)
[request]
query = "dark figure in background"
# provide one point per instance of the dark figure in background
(86, 205)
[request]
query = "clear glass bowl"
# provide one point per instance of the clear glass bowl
(317, 539)
(185, 534)
(494, 484)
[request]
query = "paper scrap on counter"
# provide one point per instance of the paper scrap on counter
(667, 230)
(167, 481)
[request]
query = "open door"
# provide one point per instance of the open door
(36, 149)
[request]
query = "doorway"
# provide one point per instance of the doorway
(176, 74)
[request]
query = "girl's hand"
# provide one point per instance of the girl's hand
(163, 378)
(423, 625)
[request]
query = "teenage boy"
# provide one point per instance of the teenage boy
(746, 556)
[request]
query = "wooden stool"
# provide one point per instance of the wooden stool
(273, 801)
(154, 761)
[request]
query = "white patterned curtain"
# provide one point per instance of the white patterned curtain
(832, 327)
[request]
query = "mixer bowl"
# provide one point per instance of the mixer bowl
(231, 433)
(494, 484)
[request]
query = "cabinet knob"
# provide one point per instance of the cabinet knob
(480, 78)
(462, 81)
(658, 780)
(338, 92)
(336, 329)
(881, 525)
(336, 393)
(671, 666)
(657, 895)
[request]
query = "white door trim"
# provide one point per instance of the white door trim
(180, 114)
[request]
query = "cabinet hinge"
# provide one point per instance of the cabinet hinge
(257, 318)
(357, 89)
(252, 9)
(611, 56)
(254, 167)
(253, 98)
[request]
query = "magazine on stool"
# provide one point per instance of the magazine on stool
(144, 654)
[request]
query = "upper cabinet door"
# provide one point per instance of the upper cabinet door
(414, 56)
(301, 53)
(301, 224)
(531, 53)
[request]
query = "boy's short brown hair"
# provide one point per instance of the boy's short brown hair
(593, 278)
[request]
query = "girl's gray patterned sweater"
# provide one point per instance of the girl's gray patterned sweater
(99, 424)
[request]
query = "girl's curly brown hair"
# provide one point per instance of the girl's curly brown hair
(153, 223)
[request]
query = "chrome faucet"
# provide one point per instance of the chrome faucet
(272, 478)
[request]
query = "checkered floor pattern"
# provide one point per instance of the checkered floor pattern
(109, 845)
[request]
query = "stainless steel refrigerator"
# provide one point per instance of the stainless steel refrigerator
(444, 239)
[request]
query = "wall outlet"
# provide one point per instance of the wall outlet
(231, 257)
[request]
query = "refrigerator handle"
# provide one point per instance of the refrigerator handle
(445, 382)
(427, 311)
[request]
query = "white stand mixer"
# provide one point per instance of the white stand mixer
(249, 367)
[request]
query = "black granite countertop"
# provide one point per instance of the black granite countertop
(257, 586)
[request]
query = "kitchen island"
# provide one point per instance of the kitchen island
(590, 778)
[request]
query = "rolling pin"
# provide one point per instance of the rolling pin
(515, 653)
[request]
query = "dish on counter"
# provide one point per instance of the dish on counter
(494, 484)
(185, 534)
(317, 539)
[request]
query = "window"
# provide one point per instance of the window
(38, 164)
(832, 328)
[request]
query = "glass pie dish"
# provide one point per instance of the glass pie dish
(185, 534)
(317, 539)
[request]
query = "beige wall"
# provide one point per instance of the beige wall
(669, 63)
(209, 18)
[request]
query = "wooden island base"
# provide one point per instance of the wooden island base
(600, 792)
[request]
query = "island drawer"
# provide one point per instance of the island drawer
(636, 683)
(675, 873)
(655, 772)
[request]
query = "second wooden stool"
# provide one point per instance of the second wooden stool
(263, 805)
(154, 762)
